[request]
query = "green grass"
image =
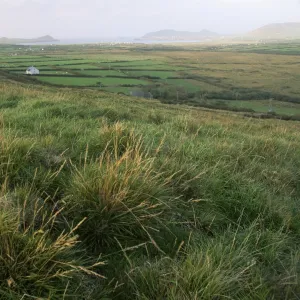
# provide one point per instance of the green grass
(105, 196)
(47, 63)
(70, 81)
(137, 63)
(122, 81)
(151, 68)
(81, 66)
(102, 73)
(160, 74)
(54, 72)
(188, 84)
(85, 81)
(264, 106)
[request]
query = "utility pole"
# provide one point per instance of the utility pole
(271, 105)
(237, 97)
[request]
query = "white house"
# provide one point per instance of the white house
(32, 71)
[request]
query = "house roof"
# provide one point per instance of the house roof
(31, 68)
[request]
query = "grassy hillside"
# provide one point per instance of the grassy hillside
(277, 31)
(110, 197)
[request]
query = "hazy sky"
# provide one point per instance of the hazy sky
(107, 18)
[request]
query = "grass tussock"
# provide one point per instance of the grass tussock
(35, 261)
(121, 194)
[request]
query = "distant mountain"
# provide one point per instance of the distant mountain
(43, 39)
(180, 35)
(276, 31)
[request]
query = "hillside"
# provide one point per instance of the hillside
(277, 31)
(180, 35)
(43, 39)
(102, 195)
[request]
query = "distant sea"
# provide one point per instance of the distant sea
(107, 41)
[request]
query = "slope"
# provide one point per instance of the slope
(277, 31)
(109, 197)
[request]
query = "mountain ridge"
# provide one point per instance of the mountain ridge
(42, 39)
(288, 30)
(171, 34)
(272, 31)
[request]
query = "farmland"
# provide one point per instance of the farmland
(189, 74)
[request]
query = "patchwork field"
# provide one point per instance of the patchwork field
(98, 81)
(238, 77)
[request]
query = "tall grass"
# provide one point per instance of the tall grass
(179, 203)
(35, 261)
(121, 193)
(227, 267)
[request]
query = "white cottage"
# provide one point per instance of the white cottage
(32, 71)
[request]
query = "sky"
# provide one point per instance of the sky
(133, 18)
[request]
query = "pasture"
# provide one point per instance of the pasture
(240, 77)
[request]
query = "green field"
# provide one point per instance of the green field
(53, 72)
(189, 85)
(82, 81)
(264, 106)
(44, 62)
(187, 74)
(70, 81)
(136, 63)
(102, 73)
(82, 66)
(160, 74)
(288, 48)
